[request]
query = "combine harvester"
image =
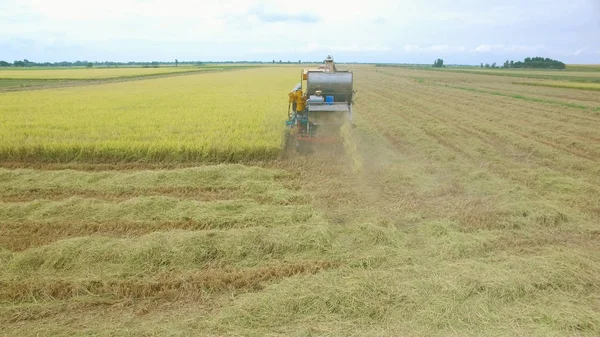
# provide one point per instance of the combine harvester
(319, 106)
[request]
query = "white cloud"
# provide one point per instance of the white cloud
(412, 47)
(485, 48)
(435, 47)
(579, 51)
(313, 47)
(526, 49)
(446, 48)
(358, 48)
(488, 48)
(382, 30)
(351, 47)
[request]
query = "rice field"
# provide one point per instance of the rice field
(93, 73)
(583, 67)
(464, 205)
(216, 117)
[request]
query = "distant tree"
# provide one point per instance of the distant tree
(494, 65)
(487, 65)
(19, 63)
(506, 64)
(176, 63)
(273, 60)
(538, 62)
(280, 61)
(482, 65)
(439, 63)
(89, 65)
(4, 64)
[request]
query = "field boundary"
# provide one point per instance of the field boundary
(525, 98)
(572, 78)
(557, 85)
(65, 83)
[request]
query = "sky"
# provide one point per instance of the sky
(459, 31)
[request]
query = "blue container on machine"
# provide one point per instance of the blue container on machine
(329, 100)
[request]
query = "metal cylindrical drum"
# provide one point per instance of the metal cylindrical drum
(330, 83)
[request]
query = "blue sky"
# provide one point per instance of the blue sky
(459, 31)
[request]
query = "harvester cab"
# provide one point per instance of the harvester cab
(320, 105)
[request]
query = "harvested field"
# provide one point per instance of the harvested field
(567, 85)
(558, 75)
(464, 205)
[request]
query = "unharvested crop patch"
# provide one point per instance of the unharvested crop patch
(233, 116)
(97, 73)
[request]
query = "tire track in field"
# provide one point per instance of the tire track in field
(526, 102)
(21, 235)
(558, 121)
(582, 132)
(567, 143)
(455, 148)
(521, 103)
(562, 113)
(570, 95)
(508, 128)
(498, 168)
(57, 194)
(26, 224)
(60, 296)
(583, 153)
(477, 132)
(183, 193)
(213, 280)
(526, 132)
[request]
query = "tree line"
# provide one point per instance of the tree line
(530, 63)
(154, 64)
(27, 63)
